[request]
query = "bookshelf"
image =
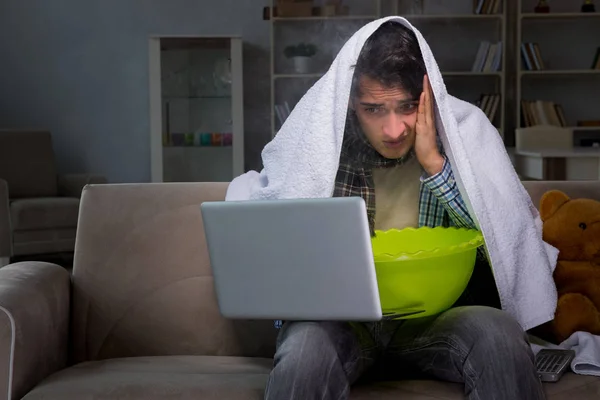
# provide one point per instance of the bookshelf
(558, 73)
(436, 20)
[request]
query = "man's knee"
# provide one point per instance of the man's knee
(493, 332)
(309, 345)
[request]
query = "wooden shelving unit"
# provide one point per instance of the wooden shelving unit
(565, 79)
(558, 15)
(460, 13)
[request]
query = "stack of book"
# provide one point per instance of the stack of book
(541, 112)
(486, 6)
(489, 104)
(532, 57)
(489, 57)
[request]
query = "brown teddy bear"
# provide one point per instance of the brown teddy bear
(573, 227)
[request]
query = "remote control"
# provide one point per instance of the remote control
(551, 364)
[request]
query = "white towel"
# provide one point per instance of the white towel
(586, 347)
(302, 161)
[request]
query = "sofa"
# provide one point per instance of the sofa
(38, 207)
(138, 318)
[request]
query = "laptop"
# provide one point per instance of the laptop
(297, 259)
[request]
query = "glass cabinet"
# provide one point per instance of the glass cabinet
(200, 107)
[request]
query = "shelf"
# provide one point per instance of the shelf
(559, 15)
(407, 16)
(575, 128)
(297, 76)
(558, 72)
(339, 17)
(194, 97)
(197, 147)
(471, 73)
(453, 16)
(584, 128)
(449, 73)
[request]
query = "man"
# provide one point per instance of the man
(391, 156)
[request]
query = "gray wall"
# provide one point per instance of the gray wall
(80, 69)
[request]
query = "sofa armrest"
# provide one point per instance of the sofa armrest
(71, 185)
(34, 325)
(5, 229)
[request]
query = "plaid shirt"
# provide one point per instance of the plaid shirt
(440, 204)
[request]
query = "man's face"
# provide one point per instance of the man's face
(387, 116)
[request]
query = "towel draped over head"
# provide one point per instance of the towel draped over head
(304, 158)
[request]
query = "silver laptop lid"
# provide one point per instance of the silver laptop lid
(301, 259)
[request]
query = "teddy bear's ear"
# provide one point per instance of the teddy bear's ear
(550, 203)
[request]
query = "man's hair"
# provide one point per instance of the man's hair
(392, 57)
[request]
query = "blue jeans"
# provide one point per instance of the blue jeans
(481, 347)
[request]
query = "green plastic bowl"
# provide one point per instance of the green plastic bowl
(423, 270)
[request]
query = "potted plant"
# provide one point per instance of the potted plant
(300, 53)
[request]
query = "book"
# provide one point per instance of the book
(532, 57)
(489, 104)
(488, 57)
(542, 112)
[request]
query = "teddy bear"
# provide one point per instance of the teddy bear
(573, 227)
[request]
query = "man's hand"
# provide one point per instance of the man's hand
(426, 136)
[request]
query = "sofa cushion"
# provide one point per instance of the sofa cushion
(168, 377)
(215, 377)
(27, 163)
(571, 386)
(142, 281)
(44, 241)
(44, 213)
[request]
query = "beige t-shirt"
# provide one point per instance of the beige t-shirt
(397, 192)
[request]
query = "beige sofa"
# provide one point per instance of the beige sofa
(38, 207)
(138, 318)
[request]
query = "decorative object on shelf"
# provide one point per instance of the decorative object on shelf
(588, 6)
(300, 54)
(227, 139)
(201, 139)
(293, 8)
(332, 8)
(542, 7)
(589, 123)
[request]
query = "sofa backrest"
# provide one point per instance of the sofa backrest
(574, 189)
(142, 282)
(27, 163)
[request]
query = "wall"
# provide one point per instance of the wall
(80, 69)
